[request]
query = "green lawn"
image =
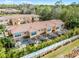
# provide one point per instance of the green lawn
(62, 50)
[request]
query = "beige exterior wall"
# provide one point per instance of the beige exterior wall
(38, 32)
(4, 22)
(24, 19)
(18, 19)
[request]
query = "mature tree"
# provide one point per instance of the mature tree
(2, 29)
(26, 8)
(8, 42)
(44, 11)
(57, 9)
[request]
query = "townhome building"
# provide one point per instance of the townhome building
(34, 29)
(18, 19)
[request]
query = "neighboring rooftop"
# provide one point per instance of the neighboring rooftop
(9, 11)
(17, 16)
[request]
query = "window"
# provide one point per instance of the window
(32, 19)
(33, 33)
(49, 29)
(62, 25)
(25, 32)
(17, 34)
(57, 28)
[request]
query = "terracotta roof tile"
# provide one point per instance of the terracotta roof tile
(34, 26)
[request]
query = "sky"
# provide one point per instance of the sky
(47, 2)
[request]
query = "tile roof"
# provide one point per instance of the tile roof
(34, 26)
(17, 16)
